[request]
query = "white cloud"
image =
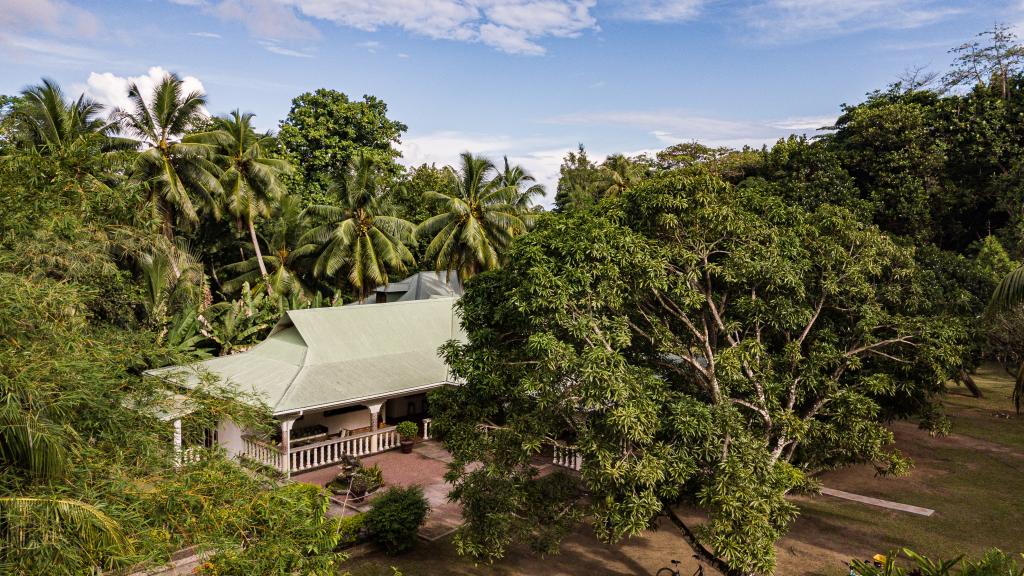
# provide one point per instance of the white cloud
(515, 26)
(47, 50)
(540, 156)
(282, 51)
(265, 18)
(660, 10)
(112, 90)
(795, 20)
(672, 127)
(52, 16)
(205, 35)
(40, 24)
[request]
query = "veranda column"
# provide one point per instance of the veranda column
(286, 440)
(374, 414)
(374, 417)
(177, 441)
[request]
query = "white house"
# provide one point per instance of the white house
(337, 379)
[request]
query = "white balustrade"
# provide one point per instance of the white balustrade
(426, 428)
(567, 457)
(265, 454)
(324, 453)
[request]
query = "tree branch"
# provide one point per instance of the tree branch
(700, 552)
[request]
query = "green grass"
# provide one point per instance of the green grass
(973, 479)
(989, 418)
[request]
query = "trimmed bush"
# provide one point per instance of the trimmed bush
(407, 430)
(395, 516)
(352, 529)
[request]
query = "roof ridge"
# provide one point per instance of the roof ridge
(305, 357)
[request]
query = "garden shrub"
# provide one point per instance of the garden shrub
(995, 562)
(395, 516)
(352, 530)
(407, 430)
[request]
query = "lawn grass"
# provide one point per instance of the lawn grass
(973, 479)
(991, 417)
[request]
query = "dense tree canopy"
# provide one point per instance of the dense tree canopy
(325, 131)
(695, 342)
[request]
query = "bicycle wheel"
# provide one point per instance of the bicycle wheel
(666, 572)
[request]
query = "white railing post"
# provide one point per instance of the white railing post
(177, 441)
(566, 457)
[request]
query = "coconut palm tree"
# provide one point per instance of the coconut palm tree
(478, 218)
(249, 178)
(173, 171)
(286, 263)
(526, 187)
(68, 135)
(46, 119)
(616, 176)
(361, 234)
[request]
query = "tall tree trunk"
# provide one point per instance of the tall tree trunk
(702, 553)
(970, 383)
(167, 211)
(1018, 389)
(259, 257)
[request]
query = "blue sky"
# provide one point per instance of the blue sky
(526, 78)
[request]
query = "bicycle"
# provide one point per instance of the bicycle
(674, 570)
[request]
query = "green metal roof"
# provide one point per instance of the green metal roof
(331, 356)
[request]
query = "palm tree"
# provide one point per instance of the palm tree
(1006, 298)
(284, 260)
(526, 187)
(46, 119)
(249, 178)
(172, 170)
(478, 218)
(361, 234)
(71, 133)
(616, 176)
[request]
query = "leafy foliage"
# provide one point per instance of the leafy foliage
(478, 215)
(395, 516)
(407, 430)
(325, 132)
(692, 341)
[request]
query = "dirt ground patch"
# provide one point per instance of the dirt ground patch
(581, 554)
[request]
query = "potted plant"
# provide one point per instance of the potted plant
(407, 431)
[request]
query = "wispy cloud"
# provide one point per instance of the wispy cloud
(51, 16)
(674, 126)
(275, 19)
(48, 50)
(51, 30)
(514, 26)
(659, 10)
(800, 20)
(205, 34)
(283, 51)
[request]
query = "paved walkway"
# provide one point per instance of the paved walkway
(878, 502)
(425, 467)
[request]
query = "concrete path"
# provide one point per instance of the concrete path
(878, 502)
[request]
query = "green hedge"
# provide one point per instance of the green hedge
(395, 516)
